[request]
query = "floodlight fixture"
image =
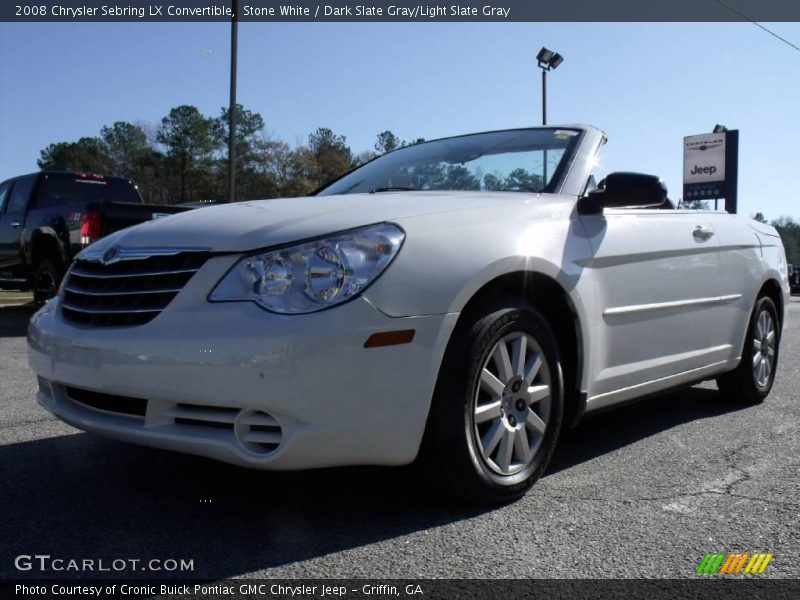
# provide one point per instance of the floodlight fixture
(547, 60)
(544, 56)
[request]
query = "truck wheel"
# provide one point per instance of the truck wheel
(46, 280)
(498, 406)
(752, 380)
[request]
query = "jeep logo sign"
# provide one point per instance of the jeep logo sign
(704, 158)
(699, 170)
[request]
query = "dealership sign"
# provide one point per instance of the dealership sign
(710, 167)
(704, 158)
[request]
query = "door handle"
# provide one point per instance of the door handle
(702, 233)
(15, 224)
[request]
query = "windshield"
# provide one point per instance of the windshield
(522, 160)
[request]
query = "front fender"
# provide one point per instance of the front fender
(440, 268)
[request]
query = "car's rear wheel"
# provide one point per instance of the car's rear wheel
(498, 406)
(752, 380)
(46, 280)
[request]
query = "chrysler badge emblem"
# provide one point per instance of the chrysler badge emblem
(111, 255)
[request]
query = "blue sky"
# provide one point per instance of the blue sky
(646, 85)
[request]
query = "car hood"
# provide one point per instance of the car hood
(245, 226)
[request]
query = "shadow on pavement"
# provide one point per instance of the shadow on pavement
(82, 496)
(14, 319)
(610, 430)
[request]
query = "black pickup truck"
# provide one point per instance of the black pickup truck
(46, 218)
(794, 278)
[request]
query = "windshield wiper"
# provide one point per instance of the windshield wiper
(392, 189)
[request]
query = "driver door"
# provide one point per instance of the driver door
(656, 277)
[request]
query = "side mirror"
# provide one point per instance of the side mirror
(624, 189)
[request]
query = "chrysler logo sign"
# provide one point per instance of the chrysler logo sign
(110, 256)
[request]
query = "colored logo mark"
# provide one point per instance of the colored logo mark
(733, 563)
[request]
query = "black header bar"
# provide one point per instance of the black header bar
(399, 10)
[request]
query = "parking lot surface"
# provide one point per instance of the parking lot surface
(641, 491)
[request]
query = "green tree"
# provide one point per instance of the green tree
(87, 154)
(125, 145)
(184, 156)
(429, 176)
(695, 205)
(132, 156)
(519, 180)
(330, 156)
(253, 178)
(493, 183)
(151, 177)
(187, 136)
(386, 142)
(460, 177)
(291, 169)
(789, 231)
(249, 125)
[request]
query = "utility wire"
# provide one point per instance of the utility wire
(757, 24)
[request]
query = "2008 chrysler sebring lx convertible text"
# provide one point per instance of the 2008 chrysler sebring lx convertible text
(462, 300)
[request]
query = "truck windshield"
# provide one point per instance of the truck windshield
(74, 189)
(522, 160)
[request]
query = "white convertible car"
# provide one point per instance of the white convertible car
(461, 300)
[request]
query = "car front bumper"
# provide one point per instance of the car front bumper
(236, 383)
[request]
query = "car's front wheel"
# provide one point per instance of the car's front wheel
(752, 380)
(498, 405)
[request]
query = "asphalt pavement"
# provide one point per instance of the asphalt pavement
(641, 491)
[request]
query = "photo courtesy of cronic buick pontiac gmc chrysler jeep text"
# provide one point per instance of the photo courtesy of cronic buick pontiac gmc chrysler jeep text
(461, 301)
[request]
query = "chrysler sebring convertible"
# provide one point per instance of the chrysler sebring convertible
(459, 301)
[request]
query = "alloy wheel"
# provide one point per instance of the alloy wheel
(512, 402)
(764, 348)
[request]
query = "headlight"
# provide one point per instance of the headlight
(315, 275)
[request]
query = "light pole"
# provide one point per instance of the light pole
(232, 109)
(547, 60)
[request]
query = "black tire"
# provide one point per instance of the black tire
(742, 385)
(453, 450)
(46, 280)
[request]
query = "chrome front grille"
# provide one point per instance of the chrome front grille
(131, 291)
